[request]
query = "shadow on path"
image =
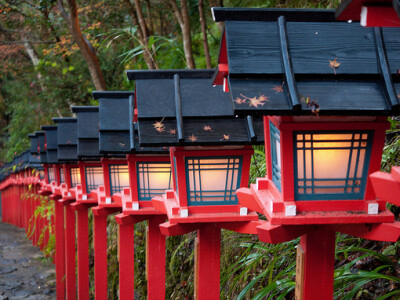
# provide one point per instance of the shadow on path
(23, 275)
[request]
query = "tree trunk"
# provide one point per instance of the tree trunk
(149, 18)
(182, 16)
(34, 59)
(86, 48)
(141, 35)
(204, 32)
(142, 22)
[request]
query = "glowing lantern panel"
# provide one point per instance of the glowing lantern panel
(331, 165)
(62, 176)
(213, 180)
(119, 178)
(51, 174)
(153, 179)
(75, 177)
(94, 178)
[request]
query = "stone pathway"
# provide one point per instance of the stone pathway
(23, 275)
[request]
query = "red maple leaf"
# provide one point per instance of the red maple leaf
(240, 100)
(225, 137)
(278, 89)
(255, 102)
(192, 138)
(334, 65)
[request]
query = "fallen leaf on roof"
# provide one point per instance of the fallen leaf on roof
(278, 89)
(334, 64)
(225, 137)
(240, 100)
(207, 128)
(159, 126)
(172, 131)
(192, 138)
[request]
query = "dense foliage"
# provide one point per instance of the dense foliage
(54, 53)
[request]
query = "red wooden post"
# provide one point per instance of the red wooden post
(100, 254)
(126, 260)
(37, 223)
(70, 251)
(60, 267)
(83, 251)
(319, 249)
(155, 259)
(208, 259)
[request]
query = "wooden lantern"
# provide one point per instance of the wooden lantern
(324, 122)
(210, 159)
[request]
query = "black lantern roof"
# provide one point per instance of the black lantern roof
(67, 138)
(114, 118)
(291, 62)
(181, 107)
(34, 161)
(42, 146)
(34, 143)
(34, 157)
(23, 162)
(88, 131)
(51, 143)
(121, 137)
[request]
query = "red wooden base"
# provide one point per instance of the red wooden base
(126, 227)
(168, 204)
(70, 252)
(261, 199)
(155, 256)
(207, 275)
(100, 250)
(319, 248)
(60, 254)
(82, 243)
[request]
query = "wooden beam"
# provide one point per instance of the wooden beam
(250, 126)
(383, 65)
(287, 64)
(178, 109)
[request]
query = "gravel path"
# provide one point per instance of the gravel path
(23, 275)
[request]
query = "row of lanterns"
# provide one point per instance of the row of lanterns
(176, 152)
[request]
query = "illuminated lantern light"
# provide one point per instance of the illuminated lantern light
(210, 156)
(324, 126)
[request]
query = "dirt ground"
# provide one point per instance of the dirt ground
(23, 274)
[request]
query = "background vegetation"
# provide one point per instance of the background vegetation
(54, 53)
